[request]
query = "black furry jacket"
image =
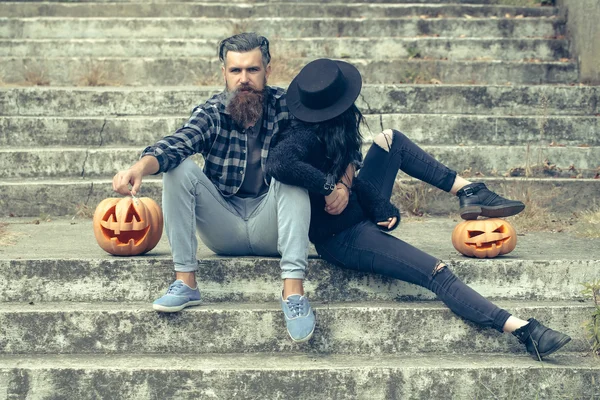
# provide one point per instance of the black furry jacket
(299, 158)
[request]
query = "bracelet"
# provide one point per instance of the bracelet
(347, 187)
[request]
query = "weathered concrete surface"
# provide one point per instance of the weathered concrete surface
(263, 10)
(60, 261)
(342, 328)
(69, 162)
(169, 2)
(314, 377)
(188, 70)
(63, 197)
(506, 49)
(584, 33)
(537, 100)
(424, 129)
(217, 28)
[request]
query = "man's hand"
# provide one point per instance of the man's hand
(123, 179)
(337, 201)
(133, 176)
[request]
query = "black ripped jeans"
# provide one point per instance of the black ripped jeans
(364, 247)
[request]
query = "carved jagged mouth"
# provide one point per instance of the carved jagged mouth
(487, 245)
(124, 237)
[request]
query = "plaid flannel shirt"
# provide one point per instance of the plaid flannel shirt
(211, 132)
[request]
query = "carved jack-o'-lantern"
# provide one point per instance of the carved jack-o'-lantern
(484, 237)
(128, 226)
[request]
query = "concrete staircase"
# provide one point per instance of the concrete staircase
(489, 89)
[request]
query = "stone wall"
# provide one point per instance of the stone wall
(583, 30)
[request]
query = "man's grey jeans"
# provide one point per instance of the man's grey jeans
(271, 225)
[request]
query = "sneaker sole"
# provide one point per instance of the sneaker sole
(470, 213)
(160, 308)
(558, 346)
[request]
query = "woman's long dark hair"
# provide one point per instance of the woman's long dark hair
(342, 139)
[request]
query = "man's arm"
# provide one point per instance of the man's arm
(167, 153)
(147, 165)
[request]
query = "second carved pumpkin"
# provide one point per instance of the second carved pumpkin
(484, 238)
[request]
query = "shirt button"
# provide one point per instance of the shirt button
(242, 171)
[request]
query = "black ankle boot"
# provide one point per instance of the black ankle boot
(476, 199)
(539, 340)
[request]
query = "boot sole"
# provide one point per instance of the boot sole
(472, 212)
(558, 346)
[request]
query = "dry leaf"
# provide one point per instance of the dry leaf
(519, 16)
(564, 60)
(584, 145)
(554, 144)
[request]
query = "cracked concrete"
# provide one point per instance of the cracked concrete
(362, 97)
(87, 153)
(102, 131)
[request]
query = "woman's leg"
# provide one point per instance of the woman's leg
(365, 248)
(393, 151)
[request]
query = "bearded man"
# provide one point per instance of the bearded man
(235, 208)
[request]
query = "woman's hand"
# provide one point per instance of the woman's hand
(389, 224)
(337, 201)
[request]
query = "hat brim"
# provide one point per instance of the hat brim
(303, 113)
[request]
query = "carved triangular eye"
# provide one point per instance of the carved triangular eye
(500, 229)
(109, 213)
(132, 214)
(472, 234)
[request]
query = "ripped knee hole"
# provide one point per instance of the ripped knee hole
(438, 267)
(384, 139)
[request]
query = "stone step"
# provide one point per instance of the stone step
(66, 197)
(425, 129)
(371, 48)
(70, 162)
(531, 3)
(64, 71)
(37, 267)
(342, 328)
(218, 28)
(264, 10)
(314, 377)
(375, 99)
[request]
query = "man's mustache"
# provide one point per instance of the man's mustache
(246, 88)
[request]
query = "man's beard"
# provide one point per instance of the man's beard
(245, 105)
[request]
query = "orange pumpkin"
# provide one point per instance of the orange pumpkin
(128, 226)
(484, 238)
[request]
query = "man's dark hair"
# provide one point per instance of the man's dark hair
(242, 43)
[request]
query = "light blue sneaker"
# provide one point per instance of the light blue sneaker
(299, 317)
(178, 296)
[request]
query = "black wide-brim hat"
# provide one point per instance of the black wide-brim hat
(323, 90)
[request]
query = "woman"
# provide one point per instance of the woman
(317, 152)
